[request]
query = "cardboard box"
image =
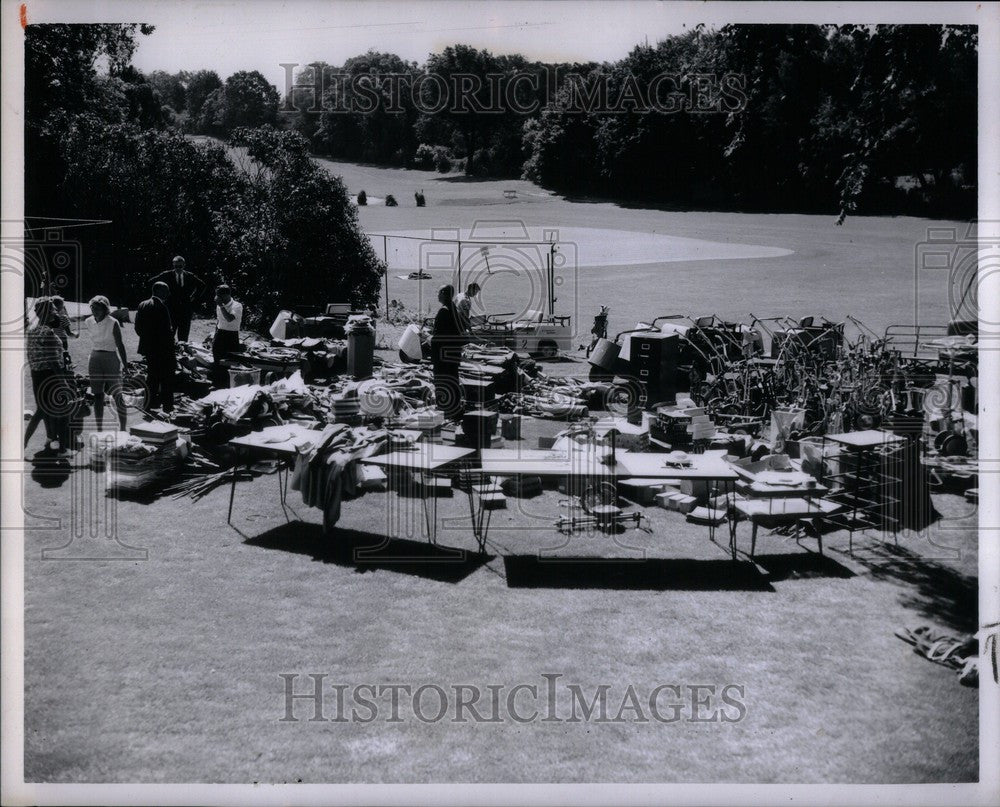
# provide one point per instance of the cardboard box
(495, 500)
(702, 515)
(639, 491)
(666, 499)
(695, 487)
(370, 477)
(427, 485)
(522, 486)
(685, 503)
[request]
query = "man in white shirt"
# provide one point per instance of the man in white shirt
(229, 318)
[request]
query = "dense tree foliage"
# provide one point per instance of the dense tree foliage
(315, 249)
(257, 213)
(832, 119)
(835, 119)
(379, 126)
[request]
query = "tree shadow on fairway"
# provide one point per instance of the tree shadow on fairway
(933, 589)
(649, 574)
(468, 178)
(366, 551)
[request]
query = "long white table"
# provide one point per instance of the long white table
(428, 458)
(594, 463)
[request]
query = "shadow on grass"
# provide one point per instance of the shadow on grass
(366, 552)
(935, 590)
(650, 574)
(801, 565)
(48, 471)
(469, 179)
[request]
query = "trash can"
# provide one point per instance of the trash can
(604, 355)
(510, 427)
(360, 350)
(409, 342)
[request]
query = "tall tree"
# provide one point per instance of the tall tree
(368, 110)
(464, 90)
(170, 88)
(198, 86)
(251, 100)
(70, 69)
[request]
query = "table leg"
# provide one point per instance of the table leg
(753, 541)
(430, 512)
(232, 487)
(730, 487)
(427, 518)
(282, 488)
(472, 515)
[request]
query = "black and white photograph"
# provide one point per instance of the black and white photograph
(500, 402)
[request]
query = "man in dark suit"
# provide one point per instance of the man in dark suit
(155, 330)
(185, 288)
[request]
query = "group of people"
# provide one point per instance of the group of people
(52, 378)
(452, 331)
(165, 318)
(159, 322)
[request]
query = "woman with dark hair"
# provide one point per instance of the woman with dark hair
(107, 348)
(446, 355)
(54, 398)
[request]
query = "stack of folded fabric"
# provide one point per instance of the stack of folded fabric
(137, 467)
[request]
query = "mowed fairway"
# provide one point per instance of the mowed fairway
(690, 263)
(163, 664)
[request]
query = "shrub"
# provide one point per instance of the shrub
(433, 157)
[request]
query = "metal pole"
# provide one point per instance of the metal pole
(459, 268)
(552, 280)
(385, 259)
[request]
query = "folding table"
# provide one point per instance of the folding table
(429, 458)
(778, 511)
(708, 467)
(588, 463)
(266, 443)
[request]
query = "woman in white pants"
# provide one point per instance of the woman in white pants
(107, 348)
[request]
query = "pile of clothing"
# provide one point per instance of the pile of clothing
(328, 472)
(554, 397)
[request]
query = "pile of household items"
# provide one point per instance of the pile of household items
(821, 426)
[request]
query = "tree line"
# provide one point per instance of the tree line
(802, 118)
(820, 119)
(834, 119)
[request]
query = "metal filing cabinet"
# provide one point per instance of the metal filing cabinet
(654, 358)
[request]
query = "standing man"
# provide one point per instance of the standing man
(185, 289)
(156, 342)
(229, 318)
(446, 356)
(463, 305)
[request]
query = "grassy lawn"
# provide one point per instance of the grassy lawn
(163, 665)
(866, 268)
